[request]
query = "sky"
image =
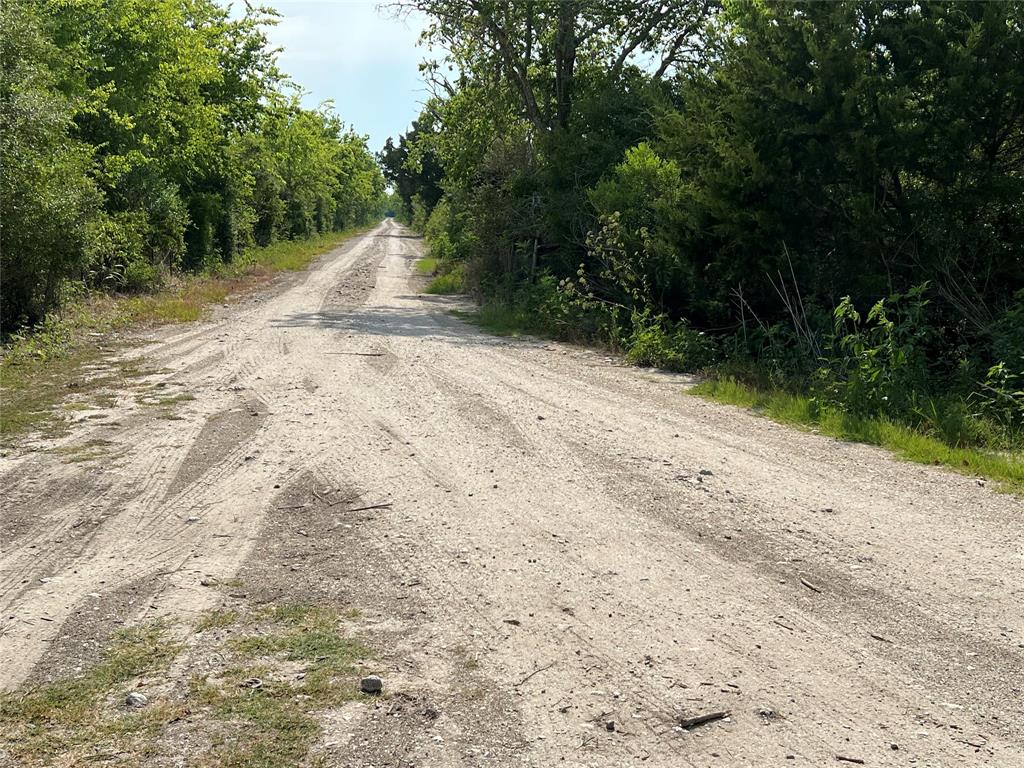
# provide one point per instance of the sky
(363, 59)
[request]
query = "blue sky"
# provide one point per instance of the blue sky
(362, 58)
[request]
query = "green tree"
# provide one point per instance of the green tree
(47, 198)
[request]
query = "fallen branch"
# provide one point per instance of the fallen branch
(812, 587)
(537, 671)
(709, 717)
(371, 506)
(845, 759)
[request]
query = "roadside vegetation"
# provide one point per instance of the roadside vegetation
(70, 360)
(817, 206)
(277, 668)
(155, 161)
(146, 141)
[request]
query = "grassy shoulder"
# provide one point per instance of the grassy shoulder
(427, 266)
(904, 441)
(505, 320)
(446, 278)
(275, 669)
(71, 352)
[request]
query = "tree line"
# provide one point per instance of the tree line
(826, 197)
(143, 137)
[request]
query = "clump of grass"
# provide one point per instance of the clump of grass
(167, 400)
(285, 664)
(217, 620)
(904, 441)
(503, 319)
(452, 280)
(271, 717)
(427, 266)
(90, 450)
(68, 718)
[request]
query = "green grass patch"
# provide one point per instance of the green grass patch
(427, 266)
(452, 281)
(269, 716)
(166, 400)
(66, 719)
(217, 620)
(32, 390)
(504, 319)
(90, 450)
(906, 442)
(279, 668)
(293, 255)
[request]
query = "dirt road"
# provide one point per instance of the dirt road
(576, 554)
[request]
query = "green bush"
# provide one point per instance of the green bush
(877, 365)
(451, 281)
(679, 348)
(47, 196)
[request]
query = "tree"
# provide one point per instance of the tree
(534, 45)
(47, 198)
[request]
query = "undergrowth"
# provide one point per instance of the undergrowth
(450, 280)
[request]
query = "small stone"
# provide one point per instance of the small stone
(371, 684)
(136, 700)
(706, 472)
(610, 725)
(192, 519)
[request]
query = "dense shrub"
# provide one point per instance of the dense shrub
(142, 137)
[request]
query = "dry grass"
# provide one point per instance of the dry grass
(276, 669)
